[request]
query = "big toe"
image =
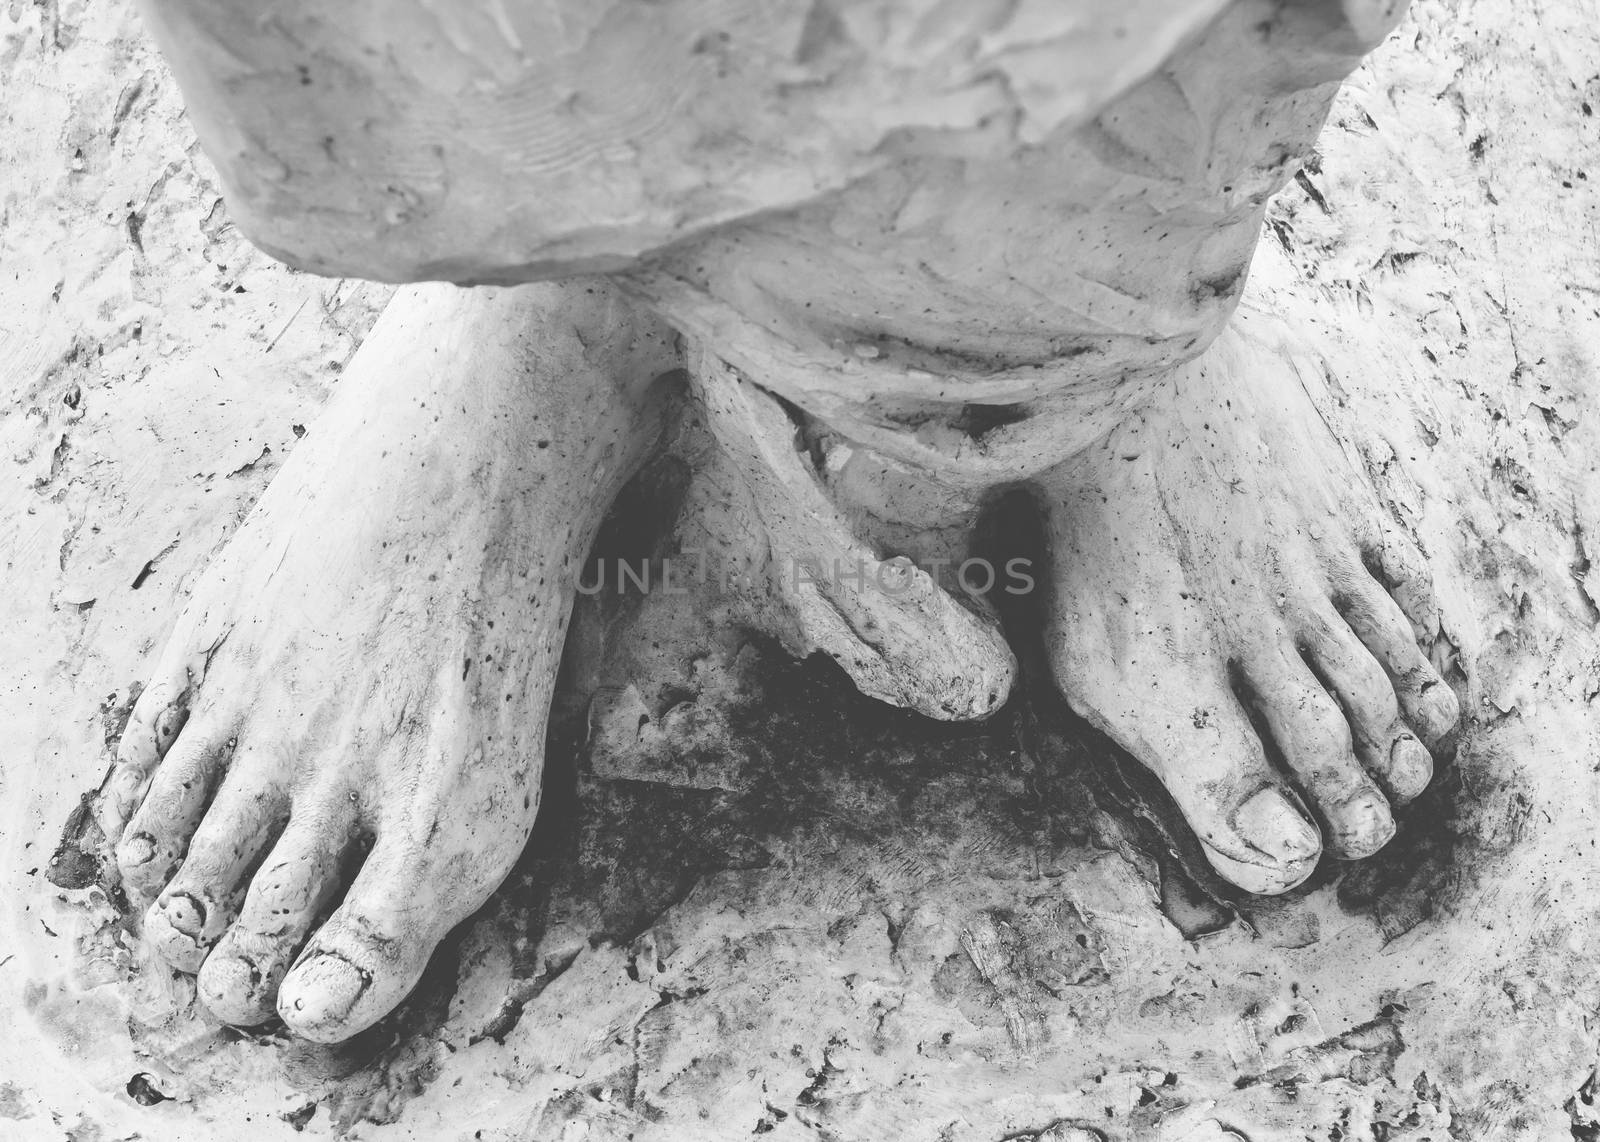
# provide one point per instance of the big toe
(1270, 847)
(357, 969)
(369, 955)
(1208, 756)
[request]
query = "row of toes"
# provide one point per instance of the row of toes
(1303, 740)
(1353, 710)
(244, 890)
(237, 885)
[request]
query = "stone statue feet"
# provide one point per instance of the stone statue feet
(338, 756)
(1234, 608)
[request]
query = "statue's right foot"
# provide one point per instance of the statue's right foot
(338, 756)
(1233, 607)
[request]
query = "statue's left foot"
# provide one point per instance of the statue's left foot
(1224, 606)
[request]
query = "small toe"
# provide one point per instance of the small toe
(1428, 703)
(157, 835)
(1315, 741)
(200, 900)
(1349, 672)
(153, 725)
(1397, 562)
(1409, 768)
(1386, 745)
(235, 988)
(289, 893)
(1209, 758)
(1358, 826)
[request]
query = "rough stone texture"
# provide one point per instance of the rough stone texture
(792, 911)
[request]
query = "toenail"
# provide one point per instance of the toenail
(224, 980)
(1410, 767)
(138, 849)
(185, 913)
(1441, 701)
(125, 783)
(231, 987)
(328, 985)
(168, 723)
(1365, 824)
(1270, 823)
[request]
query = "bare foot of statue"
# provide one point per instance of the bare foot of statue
(966, 247)
(1211, 607)
(1224, 589)
(351, 710)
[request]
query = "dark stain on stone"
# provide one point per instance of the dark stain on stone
(1583, 1112)
(1447, 842)
(76, 862)
(298, 1118)
(143, 1090)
